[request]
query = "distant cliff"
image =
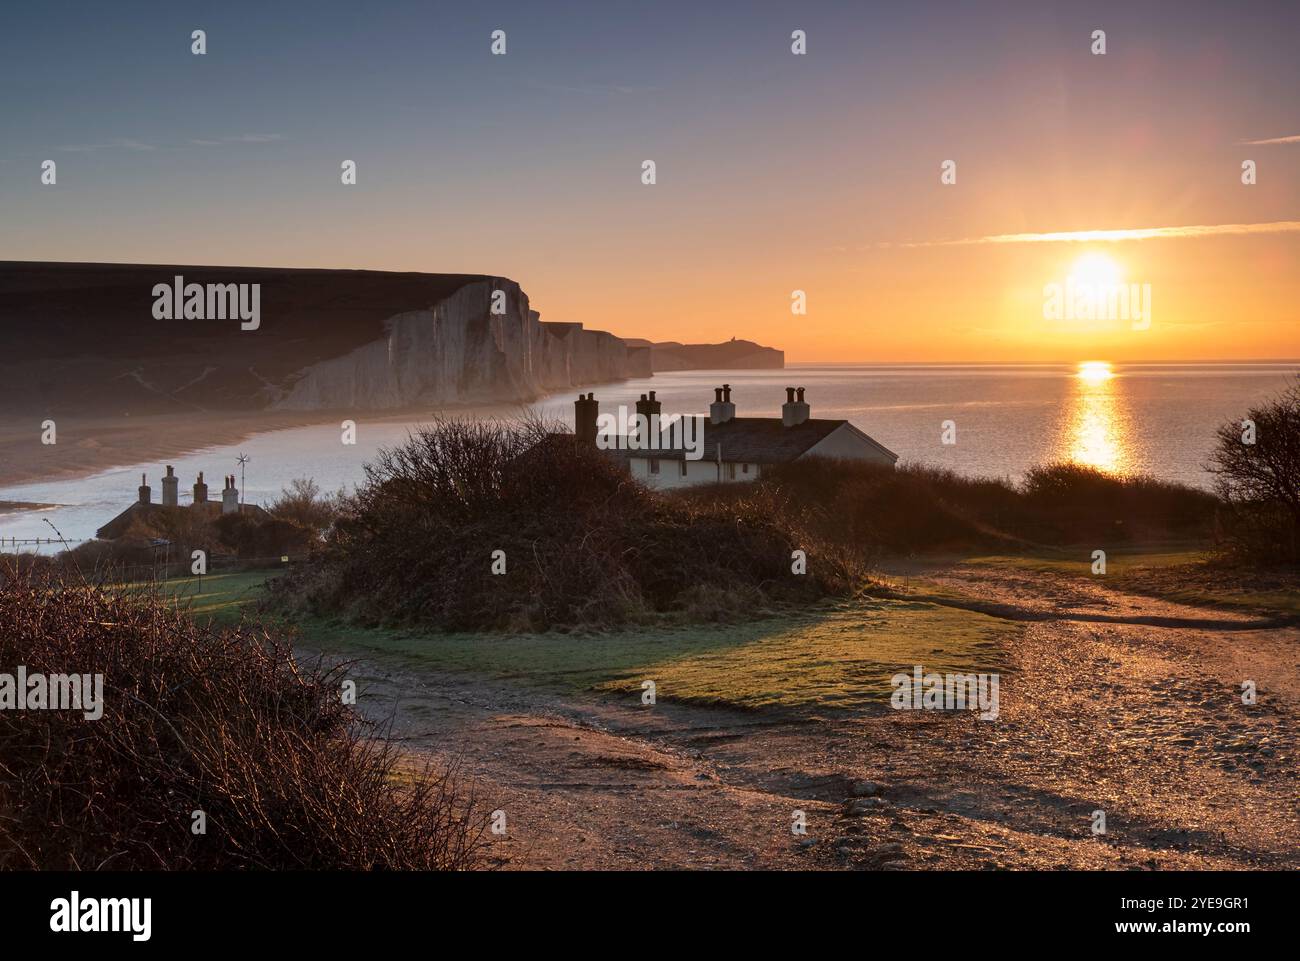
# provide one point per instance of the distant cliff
(458, 351)
(670, 355)
(89, 338)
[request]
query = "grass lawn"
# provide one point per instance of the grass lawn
(1183, 576)
(221, 598)
(836, 656)
(1118, 562)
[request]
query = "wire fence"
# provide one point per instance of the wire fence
(12, 544)
(165, 566)
(183, 569)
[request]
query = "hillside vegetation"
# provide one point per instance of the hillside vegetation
(218, 729)
(476, 525)
(492, 526)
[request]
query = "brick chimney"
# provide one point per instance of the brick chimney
(200, 490)
(170, 488)
(230, 496)
(146, 493)
(651, 410)
(585, 411)
(722, 409)
(794, 412)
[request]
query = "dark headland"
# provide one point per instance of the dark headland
(133, 364)
(89, 338)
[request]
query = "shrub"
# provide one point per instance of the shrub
(1073, 502)
(199, 720)
(251, 537)
(884, 510)
(584, 544)
(1260, 481)
(920, 509)
(303, 504)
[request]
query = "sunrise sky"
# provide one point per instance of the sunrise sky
(775, 172)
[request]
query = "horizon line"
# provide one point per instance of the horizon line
(1033, 363)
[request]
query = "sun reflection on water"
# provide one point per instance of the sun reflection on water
(1096, 430)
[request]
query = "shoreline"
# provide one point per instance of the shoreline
(92, 445)
(88, 446)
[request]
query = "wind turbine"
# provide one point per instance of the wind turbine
(241, 460)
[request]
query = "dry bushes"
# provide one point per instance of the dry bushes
(586, 546)
(1256, 463)
(924, 509)
(1070, 503)
(878, 510)
(583, 544)
(198, 720)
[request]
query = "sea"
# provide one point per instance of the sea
(991, 420)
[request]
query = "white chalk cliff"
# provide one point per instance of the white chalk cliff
(458, 351)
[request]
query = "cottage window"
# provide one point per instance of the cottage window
(654, 465)
(744, 468)
(731, 471)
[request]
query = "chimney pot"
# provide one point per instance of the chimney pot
(585, 413)
(722, 409)
(794, 411)
(170, 488)
(647, 410)
(230, 497)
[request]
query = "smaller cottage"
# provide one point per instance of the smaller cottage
(145, 509)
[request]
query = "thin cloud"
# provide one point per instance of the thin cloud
(1294, 138)
(242, 138)
(1114, 236)
(593, 89)
(122, 143)
(127, 143)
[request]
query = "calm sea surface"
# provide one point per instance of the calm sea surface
(1156, 419)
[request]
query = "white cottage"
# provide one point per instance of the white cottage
(739, 449)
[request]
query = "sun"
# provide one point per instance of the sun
(1097, 271)
(1095, 371)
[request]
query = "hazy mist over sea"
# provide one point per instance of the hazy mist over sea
(1142, 418)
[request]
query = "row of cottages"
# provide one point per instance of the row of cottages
(735, 448)
(145, 509)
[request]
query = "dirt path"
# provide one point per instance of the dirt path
(1139, 716)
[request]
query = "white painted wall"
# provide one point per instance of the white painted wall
(847, 443)
(698, 472)
(844, 443)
